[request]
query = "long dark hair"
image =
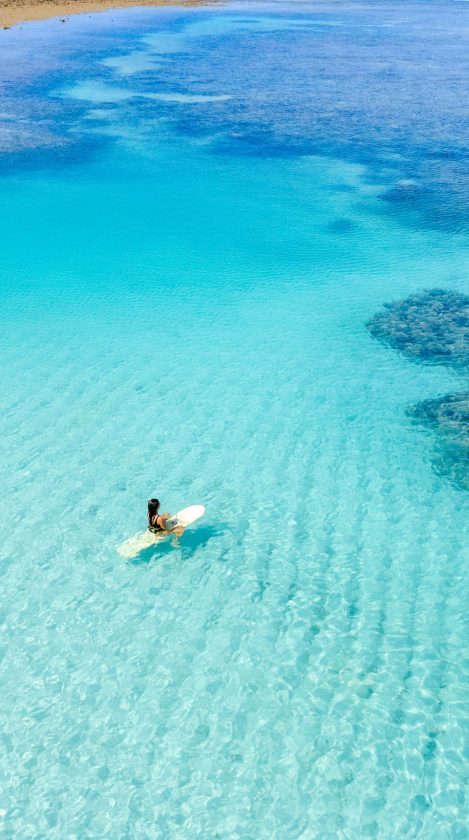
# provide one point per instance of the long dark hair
(153, 506)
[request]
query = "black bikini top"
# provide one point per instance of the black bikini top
(155, 529)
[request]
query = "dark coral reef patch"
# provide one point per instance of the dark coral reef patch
(431, 326)
(341, 225)
(449, 416)
(450, 413)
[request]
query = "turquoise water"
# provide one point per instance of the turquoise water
(200, 209)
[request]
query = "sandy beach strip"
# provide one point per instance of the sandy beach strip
(13, 12)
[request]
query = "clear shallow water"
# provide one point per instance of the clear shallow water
(186, 279)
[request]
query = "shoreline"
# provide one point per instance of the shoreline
(14, 13)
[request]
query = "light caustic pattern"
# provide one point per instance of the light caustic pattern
(186, 288)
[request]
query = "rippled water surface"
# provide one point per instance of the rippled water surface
(200, 210)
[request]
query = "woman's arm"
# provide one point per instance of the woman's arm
(161, 519)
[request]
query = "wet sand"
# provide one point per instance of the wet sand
(13, 12)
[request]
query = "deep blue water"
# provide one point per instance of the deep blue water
(201, 209)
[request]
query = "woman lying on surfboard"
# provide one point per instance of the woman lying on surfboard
(159, 523)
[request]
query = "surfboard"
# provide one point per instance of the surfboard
(182, 519)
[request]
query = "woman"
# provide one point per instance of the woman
(161, 522)
(156, 521)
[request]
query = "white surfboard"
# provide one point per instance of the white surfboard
(131, 547)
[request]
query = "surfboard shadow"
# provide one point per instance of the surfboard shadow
(191, 541)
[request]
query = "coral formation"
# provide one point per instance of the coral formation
(431, 326)
(449, 415)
